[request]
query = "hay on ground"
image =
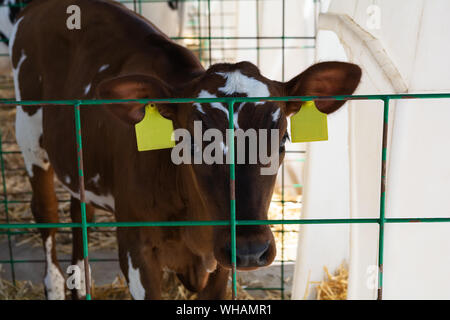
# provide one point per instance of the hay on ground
(333, 287)
(118, 290)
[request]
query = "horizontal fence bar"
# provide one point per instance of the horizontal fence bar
(19, 152)
(158, 1)
(14, 5)
(59, 260)
(25, 201)
(95, 230)
(261, 288)
(133, 224)
(6, 261)
(246, 38)
(251, 48)
(226, 99)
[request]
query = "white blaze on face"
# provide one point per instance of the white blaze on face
(240, 83)
(199, 107)
(215, 105)
(134, 281)
(54, 280)
(236, 82)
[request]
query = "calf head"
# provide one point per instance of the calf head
(207, 183)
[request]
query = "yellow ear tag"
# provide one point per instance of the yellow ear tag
(309, 124)
(154, 132)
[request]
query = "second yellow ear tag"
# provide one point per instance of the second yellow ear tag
(154, 132)
(309, 124)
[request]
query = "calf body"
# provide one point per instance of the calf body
(118, 54)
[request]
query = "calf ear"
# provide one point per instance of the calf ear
(135, 87)
(323, 79)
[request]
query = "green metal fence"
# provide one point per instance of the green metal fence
(209, 40)
(232, 222)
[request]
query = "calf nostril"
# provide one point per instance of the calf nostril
(264, 247)
(252, 254)
(263, 258)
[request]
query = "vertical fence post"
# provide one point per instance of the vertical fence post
(5, 204)
(199, 17)
(283, 47)
(258, 35)
(82, 200)
(209, 34)
(382, 219)
(232, 198)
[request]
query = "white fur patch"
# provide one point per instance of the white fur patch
(276, 115)
(95, 179)
(236, 82)
(224, 148)
(28, 132)
(54, 280)
(134, 281)
(87, 88)
(236, 115)
(240, 83)
(28, 128)
(12, 37)
(215, 105)
(106, 202)
(82, 291)
(199, 107)
(103, 67)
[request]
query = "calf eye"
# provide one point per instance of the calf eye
(283, 142)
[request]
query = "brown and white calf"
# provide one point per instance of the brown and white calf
(118, 54)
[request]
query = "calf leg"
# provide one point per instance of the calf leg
(77, 244)
(139, 264)
(216, 286)
(44, 207)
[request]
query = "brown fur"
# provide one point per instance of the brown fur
(147, 186)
